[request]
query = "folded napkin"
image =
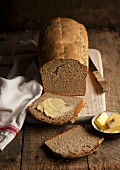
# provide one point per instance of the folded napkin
(18, 90)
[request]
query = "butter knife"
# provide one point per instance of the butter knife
(98, 77)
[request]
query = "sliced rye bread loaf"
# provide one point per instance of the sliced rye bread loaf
(74, 143)
(64, 77)
(69, 116)
(64, 39)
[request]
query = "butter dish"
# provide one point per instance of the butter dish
(110, 129)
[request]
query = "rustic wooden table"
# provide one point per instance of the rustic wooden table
(26, 151)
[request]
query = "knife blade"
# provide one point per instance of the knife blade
(98, 77)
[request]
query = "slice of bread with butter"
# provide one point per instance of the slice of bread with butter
(56, 109)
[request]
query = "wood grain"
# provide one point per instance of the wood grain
(10, 157)
(36, 156)
(108, 44)
(107, 156)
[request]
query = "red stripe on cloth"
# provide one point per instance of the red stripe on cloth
(9, 128)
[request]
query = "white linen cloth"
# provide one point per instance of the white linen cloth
(17, 91)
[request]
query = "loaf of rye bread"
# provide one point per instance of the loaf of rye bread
(74, 143)
(69, 116)
(63, 47)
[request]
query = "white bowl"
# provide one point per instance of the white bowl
(105, 134)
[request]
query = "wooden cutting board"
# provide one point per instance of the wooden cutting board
(94, 100)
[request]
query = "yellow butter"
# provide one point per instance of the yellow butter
(59, 105)
(101, 121)
(54, 107)
(40, 106)
(108, 124)
(114, 123)
(113, 130)
(56, 103)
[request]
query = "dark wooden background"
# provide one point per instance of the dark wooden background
(30, 14)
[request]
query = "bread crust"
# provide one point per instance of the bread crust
(79, 108)
(63, 38)
(98, 139)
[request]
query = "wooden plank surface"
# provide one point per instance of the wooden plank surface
(10, 157)
(108, 43)
(35, 156)
(26, 151)
(107, 157)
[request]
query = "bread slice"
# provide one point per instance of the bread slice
(74, 143)
(64, 77)
(69, 116)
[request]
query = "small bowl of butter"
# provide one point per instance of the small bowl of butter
(108, 124)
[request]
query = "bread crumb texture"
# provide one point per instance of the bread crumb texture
(76, 142)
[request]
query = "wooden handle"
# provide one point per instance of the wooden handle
(101, 81)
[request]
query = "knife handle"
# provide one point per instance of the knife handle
(101, 81)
